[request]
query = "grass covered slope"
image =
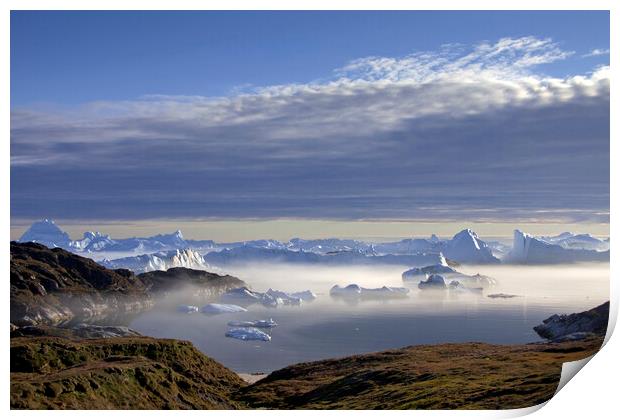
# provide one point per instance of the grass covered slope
(117, 373)
(444, 376)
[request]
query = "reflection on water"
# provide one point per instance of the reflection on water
(330, 327)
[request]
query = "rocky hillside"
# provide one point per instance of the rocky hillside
(54, 286)
(51, 286)
(117, 373)
(174, 279)
(561, 327)
(444, 376)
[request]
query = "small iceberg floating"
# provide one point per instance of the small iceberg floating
(247, 334)
(187, 309)
(305, 295)
(221, 308)
(260, 323)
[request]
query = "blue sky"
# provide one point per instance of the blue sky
(393, 115)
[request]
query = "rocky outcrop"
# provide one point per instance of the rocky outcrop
(117, 373)
(75, 331)
(53, 286)
(174, 279)
(576, 326)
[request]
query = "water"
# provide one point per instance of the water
(328, 328)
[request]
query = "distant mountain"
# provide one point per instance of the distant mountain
(47, 233)
(163, 260)
(527, 249)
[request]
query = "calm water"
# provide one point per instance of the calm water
(329, 328)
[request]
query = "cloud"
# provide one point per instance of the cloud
(596, 52)
(462, 127)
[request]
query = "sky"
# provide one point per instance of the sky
(496, 117)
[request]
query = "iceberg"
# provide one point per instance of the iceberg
(247, 334)
(416, 273)
(271, 298)
(356, 292)
(286, 298)
(434, 281)
(350, 290)
(160, 261)
(306, 295)
(260, 323)
(187, 309)
(45, 232)
(466, 247)
(527, 249)
(457, 286)
(220, 308)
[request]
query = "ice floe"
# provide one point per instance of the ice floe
(221, 308)
(259, 323)
(355, 291)
(187, 309)
(247, 334)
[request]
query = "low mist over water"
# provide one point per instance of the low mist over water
(329, 327)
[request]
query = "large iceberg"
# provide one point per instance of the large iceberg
(220, 308)
(163, 260)
(466, 247)
(251, 254)
(527, 249)
(247, 334)
(46, 233)
(577, 241)
(272, 298)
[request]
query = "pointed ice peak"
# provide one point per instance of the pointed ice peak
(434, 238)
(178, 234)
(46, 232)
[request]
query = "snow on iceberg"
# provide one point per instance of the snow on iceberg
(247, 334)
(259, 323)
(221, 308)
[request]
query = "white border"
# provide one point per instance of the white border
(593, 394)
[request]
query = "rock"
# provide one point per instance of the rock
(52, 286)
(204, 283)
(593, 321)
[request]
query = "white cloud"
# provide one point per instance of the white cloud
(379, 128)
(596, 52)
